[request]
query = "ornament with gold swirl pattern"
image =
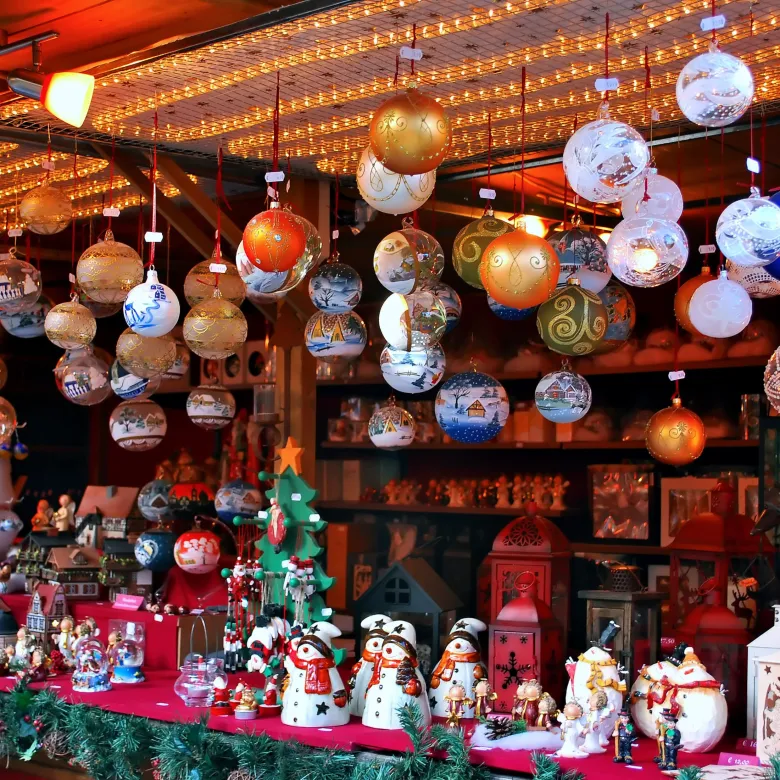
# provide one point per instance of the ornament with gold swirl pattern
(471, 243)
(573, 321)
(675, 435)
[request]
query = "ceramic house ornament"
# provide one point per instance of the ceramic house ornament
(363, 670)
(151, 308)
(766, 644)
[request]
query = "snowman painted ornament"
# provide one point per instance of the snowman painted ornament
(151, 308)
(646, 686)
(315, 695)
(363, 670)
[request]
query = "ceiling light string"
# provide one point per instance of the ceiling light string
(153, 177)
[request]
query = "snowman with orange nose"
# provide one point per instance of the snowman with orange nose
(363, 670)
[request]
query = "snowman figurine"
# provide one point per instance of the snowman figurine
(315, 695)
(363, 670)
(397, 681)
(647, 687)
(572, 731)
(461, 661)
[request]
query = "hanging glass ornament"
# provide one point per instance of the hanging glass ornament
(755, 281)
(582, 255)
(145, 357)
(682, 298)
(154, 550)
(406, 258)
(181, 365)
(70, 325)
(675, 435)
(238, 498)
(605, 159)
(660, 198)
(108, 270)
(197, 551)
(99, 310)
(572, 321)
(416, 320)
(714, 89)
(128, 386)
(215, 328)
(647, 252)
(153, 500)
(453, 306)
(274, 240)
(335, 287)
(391, 427)
(20, 284)
(414, 371)
(152, 308)
(563, 396)
(470, 245)
(472, 407)
(519, 270)
(83, 377)
(391, 192)
(332, 337)
(748, 231)
(8, 421)
(266, 282)
(211, 407)
(138, 425)
(46, 210)
(772, 380)
(3, 373)
(264, 299)
(410, 133)
(29, 322)
(621, 316)
(508, 313)
(720, 308)
(200, 282)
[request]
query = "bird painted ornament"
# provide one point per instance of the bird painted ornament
(151, 309)
(407, 258)
(471, 243)
(572, 321)
(363, 669)
(472, 407)
(335, 287)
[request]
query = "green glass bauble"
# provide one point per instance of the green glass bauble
(573, 321)
(471, 243)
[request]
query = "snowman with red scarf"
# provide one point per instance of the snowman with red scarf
(363, 670)
(315, 694)
(396, 680)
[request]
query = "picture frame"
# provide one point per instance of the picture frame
(747, 496)
(681, 499)
(259, 362)
(233, 368)
(210, 372)
(621, 500)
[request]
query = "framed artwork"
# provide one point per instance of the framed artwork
(210, 372)
(747, 496)
(233, 369)
(259, 362)
(681, 499)
(620, 497)
(658, 578)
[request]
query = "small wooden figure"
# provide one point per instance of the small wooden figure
(624, 734)
(63, 517)
(484, 696)
(457, 704)
(42, 517)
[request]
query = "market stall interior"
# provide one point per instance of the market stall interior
(363, 361)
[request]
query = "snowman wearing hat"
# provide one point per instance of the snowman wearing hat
(363, 670)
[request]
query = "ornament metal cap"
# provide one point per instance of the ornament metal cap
(573, 281)
(677, 401)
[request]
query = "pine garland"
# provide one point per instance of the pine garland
(772, 772)
(690, 773)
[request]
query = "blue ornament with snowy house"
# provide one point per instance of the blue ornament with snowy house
(472, 407)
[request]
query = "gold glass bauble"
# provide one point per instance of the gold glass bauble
(573, 321)
(410, 133)
(471, 243)
(3, 373)
(20, 285)
(215, 328)
(675, 435)
(46, 210)
(519, 270)
(8, 421)
(143, 356)
(108, 270)
(200, 282)
(682, 299)
(70, 325)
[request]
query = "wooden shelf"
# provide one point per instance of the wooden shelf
(428, 509)
(640, 445)
(617, 549)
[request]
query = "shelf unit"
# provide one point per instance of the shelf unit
(434, 509)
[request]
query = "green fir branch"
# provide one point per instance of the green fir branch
(772, 772)
(690, 773)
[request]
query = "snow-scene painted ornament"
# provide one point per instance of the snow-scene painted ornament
(138, 425)
(646, 251)
(153, 500)
(151, 309)
(605, 159)
(83, 377)
(391, 427)
(582, 255)
(127, 385)
(659, 197)
(215, 328)
(333, 337)
(621, 316)
(453, 306)
(145, 357)
(211, 407)
(154, 550)
(572, 321)
(675, 435)
(470, 245)
(200, 282)
(508, 313)
(197, 551)
(563, 396)
(259, 282)
(748, 231)
(363, 671)
(29, 322)
(756, 282)
(335, 287)
(412, 321)
(414, 371)
(181, 365)
(237, 498)
(714, 89)
(405, 259)
(20, 285)
(391, 192)
(70, 325)
(46, 210)
(720, 308)
(108, 270)
(772, 380)
(187, 500)
(472, 407)
(645, 712)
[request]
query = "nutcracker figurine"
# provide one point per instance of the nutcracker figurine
(484, 696)
(363, 670)
(624, 735)
(457, 704)
(670, 743)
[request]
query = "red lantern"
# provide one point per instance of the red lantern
(274, 240)
(197, 551)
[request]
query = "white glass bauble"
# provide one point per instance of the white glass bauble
(604, 160)
(391, 428)
(412, 321)
(563, 396)
(138, 425)
(415, 371)
(333, 337)
(389, 192)
(127, 385)
(646, 252)
(756, 281)
(407, 258)
(662, 200)
(335, 288)
(20, 285)
(151, 308)
(83, 377)
(453, 306)
(211, 407)
(714, 89)
(720, 308)
(748, 231)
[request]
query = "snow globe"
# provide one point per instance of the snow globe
(126, 657)
(91, 673)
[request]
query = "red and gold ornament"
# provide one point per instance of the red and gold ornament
(274, 240)
(675, 435)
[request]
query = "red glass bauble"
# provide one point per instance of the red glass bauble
(274, 240)
(197, 551)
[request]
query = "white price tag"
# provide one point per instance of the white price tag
(15, 232)
(153, 238)
(753, 165)
(654, 115)
(113, 211)
(218, 268)
(675, 375)
(710, 23)
(334, 235)
(158, 618)
(607, 85)
(196, 612)
(296, 496)
(47, 165)
(408, 53)
(274, 176)
(487, 194)
(707, 249)
(72, 278)
(272, 193)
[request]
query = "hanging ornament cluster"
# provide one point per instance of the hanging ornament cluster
(391, 427)
(108, 270)
(472, 407)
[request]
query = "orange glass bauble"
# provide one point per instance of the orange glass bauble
(682, 299)
(675, 435)
(519, 270)
(410, 133)
(274, 240)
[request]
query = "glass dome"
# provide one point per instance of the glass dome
(91, 674)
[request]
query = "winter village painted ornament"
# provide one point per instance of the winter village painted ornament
(332, 337)
(197, 551)
(335, 288)
(70, 325)
(508, 313)
(658, 197)
(410, 133)
(414, 371)
(154, 550)
(406, 258)
(682, 299)
(453, 306)
(391, 192)
(573, 321)
(138, 425)
(211, 407)
(200, 282)
(187, 500)
(29, 322)
(153, 500)
(714, 89)
(274, 240)
(128, 386)
(621, 316)
(563, 396)
(471, 243)
(583, 256)
(145, 357)
(756, 282)
(152, 308)
(108, 270)
(519, 270)
(20, 285)
(215, 328)
(181, 365)
(238, 498)
(46, 210)
(472, 407)
(772, 380)
(675, 435)
(412, 321)
(259, 282)
(391, 427)
(83, 377)
(748, 231)
(720, 308)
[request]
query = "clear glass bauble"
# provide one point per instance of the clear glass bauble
(333, 337)
(8, 421)
(406, 258)
(83, 377)
(215, 328)
(720, 308)
(46, 210)
(415, 371)
(335, 288)
(29, 322)
(391, 428)
(416, 320)
(563, 396)
(714, 89)
(508, 313)
(70, 325)
(772, 380)
(152, 308)
(472, 407)
(128, 386)
(263, 283)
(647, 252)
(20, 285)
(583, 256)
(453, 306)
(662, 200)
(211, 407)
(200, 282)
(138, 425)
(755, 281)
(181, 365)
(748, 231)
(145, 357)
(108, 270)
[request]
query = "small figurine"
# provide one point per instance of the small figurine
(221, 705)
(624, 738)
(571, 731)
(538, 491)
(64, 640)
(530, 709)
(63, 517)
(363, 671)
(548, 713)
(111, 642)
(455, 494)
(598, 709)
(431, 494)
(518, 492)
(58, 664)
(247, 707)
(457, 705)
(670, 743)
(518, 704)
(558, 492)
(502, 493)
(484, 695)
(42, 517)
(25, 643)
(391, 492)
(37, 671)
(272, 694)
(238, 692)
